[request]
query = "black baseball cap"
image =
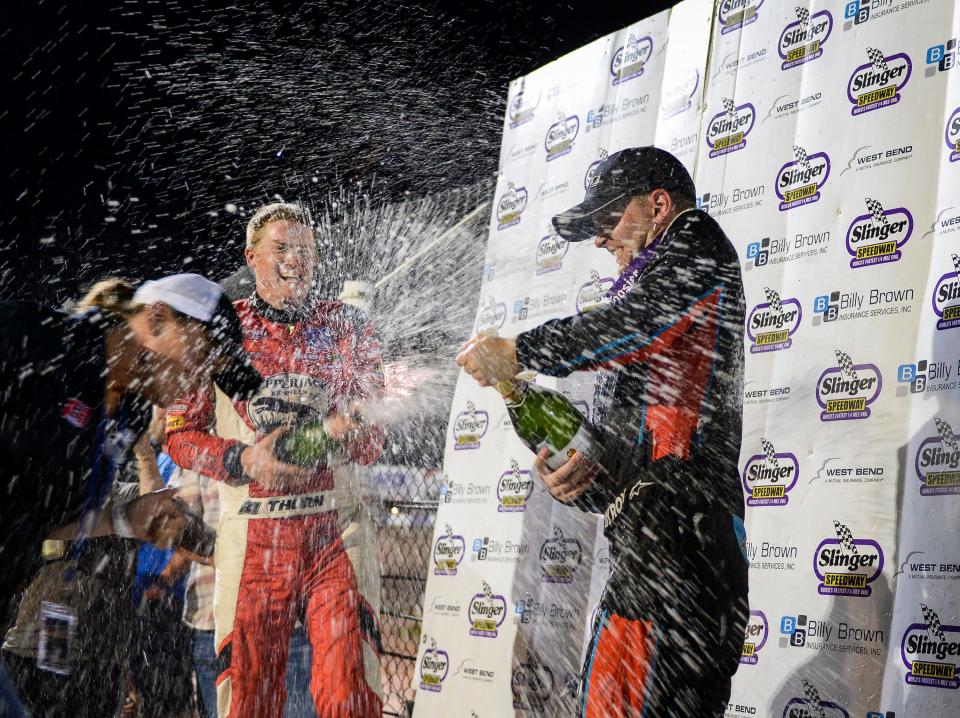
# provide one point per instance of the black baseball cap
(620, 177)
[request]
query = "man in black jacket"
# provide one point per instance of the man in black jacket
(669, 346)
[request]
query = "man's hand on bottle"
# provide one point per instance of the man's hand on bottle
(570, 480)
(261, 464)
(489, 359)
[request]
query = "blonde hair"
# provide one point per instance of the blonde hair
(113, 297)
(276, 212)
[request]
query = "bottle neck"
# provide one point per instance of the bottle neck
(513, 391)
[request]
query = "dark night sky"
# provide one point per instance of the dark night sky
(129, 125)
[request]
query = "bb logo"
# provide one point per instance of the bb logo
(628, 61)
(592, 294)
(550, 252)
(755, 637)
(486, 613)
(930, 651)
(799, 182)
(771, 325)
(514, 488)
(734, 14)
(532, 684)
(727, 131)
(510, 206)
(846, 391)
(492, 316)
(938, 461)
(847, 566)
(878, 236)
(759, 252)
(812, 705)
(448, 552)
(434, 667)
(878, 83)
(520, 111)
(769, 477)
(560, 557)
(795, 628)
(469, 427)
(952, 135)
(802, 41)
(941, 58)
(946, 297)
(560, 136)
(679, 98)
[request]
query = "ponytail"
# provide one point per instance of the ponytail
(113, 297)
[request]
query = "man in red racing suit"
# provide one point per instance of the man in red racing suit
(298, 547)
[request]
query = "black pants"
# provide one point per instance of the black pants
(161, 664)
(93, 690)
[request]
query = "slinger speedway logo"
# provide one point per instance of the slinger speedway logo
(448, 552)
(879, 82)
(492, 315)
(846, 566)
(931, 652)
(521, 109)
(946, 297)
(550, 252)
(755, 637)
(846, 391)
(799, 182)
(772, 324)
(469, 427)
(937, 462)
(532, 684)
(560, 136)
(434, 666)
(510, 206)
(878, 236)
(811, 705)
(514, 488)
(952, 135)
(735, 14)
(679, 98)
(560, 557)
(802, 41)
(486, 612)
(769, 476)
(727, 131)
(592, 293)
(630, 60)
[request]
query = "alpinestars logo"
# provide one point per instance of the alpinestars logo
(768, 477)
(434, 666)
(735, 14)
(560, 557)
(846, 566)
(560, 136)
(514, 488)
(550, 252)
(755, 637)
(532, 684)
(771, 325)
(879, 82)
(802, 41)
(878, 236)
(952, 135)
(937, 462)
(592, 294)
(931, 652)
(469, 427)
(727, 131)
(520, 110)
(629, 61)
(811, 705)
(448, 552)
(846, 391)
(946, 297)
(487, 612)
(510, 206)
(799, 182)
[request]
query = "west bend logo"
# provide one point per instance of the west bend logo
(931, 652)
(560, 136)
(847, 566)
(628, 61)
(755, 637)
(510, 206)
(846, 391)
(952, 135)
(799, 182)
(434, 667)
(550, 252)
(771, 325)
(560, 557)
(492, 315)
(877, 236)
(938, 461)
(811, 705)
(469, 427)
(448, 552)
(486, 613)
(532, 684)
(878, 83)
(592, 294)
(769, 477)
(734, 14)
(727, 132)
(946, 297)
(514, 488)
(802, 41)
(520, 110)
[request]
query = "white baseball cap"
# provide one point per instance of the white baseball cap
(189, 294)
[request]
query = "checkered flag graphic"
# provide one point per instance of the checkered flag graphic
(876, 209)
(845, 536)
(877, 58)
(946, 433)
(557, 533)
(801, 156)
(515, 468)
(813, 698)
(956, 263)
(471, 407)
(773, 299)
(487, 591)
(932, 620)
(845, 363)
(730, 107)
(449, 531)
(603, 155)
(561, 116)
(803, 15)
(769, 451)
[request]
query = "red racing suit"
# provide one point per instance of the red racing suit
(308, 555)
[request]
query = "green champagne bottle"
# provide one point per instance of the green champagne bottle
(308, 445)
(542, 417)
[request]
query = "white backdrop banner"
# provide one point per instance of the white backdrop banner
(825, 139)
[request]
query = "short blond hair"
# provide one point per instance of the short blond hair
(113, 297)
(276, 212)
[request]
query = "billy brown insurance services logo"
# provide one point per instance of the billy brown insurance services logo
(486, 612)
(768, 477)
(952, 135)
(560, 136)
(878, 83)
(811, 705)
(755, 637)
(802, 41)
(771, 325)
(560, 557)
(734, 14)
(514, 488)
(727, 131)
(510, 206)
(931, 651)
(799, 182)
(946, 297)
(878, 236)
(469, 427)
(629, 61)
(846, 391)
(434, 667)
(938, 461)
(448, 552)
(846, 566)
